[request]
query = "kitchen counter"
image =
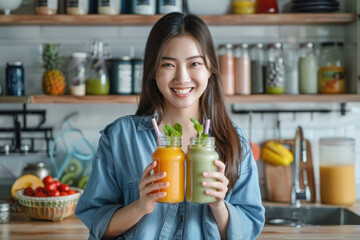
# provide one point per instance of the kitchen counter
(22, 228)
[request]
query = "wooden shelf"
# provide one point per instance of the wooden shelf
(133, 19)
(134, 99)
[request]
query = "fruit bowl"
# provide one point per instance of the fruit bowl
(9, 5)
(49, 208)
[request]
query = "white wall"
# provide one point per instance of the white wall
(23, 43)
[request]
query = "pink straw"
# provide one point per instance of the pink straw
(156, 128)
(207, 126)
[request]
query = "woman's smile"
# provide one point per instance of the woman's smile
(182, 92)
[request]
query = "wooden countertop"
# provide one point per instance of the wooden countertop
(22, 228)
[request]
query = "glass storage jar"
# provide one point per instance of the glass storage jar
(109, 7)
(76, 71)
(257, 57)
(46, 7)
(332, 77)
(337, 170)
(275, 69)
(227, 69)
(242, 69)
(308, 68)
(77, 7)
(4, 212)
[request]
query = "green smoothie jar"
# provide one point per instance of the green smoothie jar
(200, 158)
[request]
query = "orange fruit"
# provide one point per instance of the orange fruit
(25, 181)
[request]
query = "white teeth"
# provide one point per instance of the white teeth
(182, 91)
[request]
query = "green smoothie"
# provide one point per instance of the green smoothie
(200, 158)
(97, 86)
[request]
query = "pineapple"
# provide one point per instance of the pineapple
(53, 81)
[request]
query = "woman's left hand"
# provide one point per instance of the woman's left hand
(220, 186)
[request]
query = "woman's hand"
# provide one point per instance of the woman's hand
(147, 186)
(221, 185)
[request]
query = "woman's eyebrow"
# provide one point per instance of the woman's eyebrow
(174, 59)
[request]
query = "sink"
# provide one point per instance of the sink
(310, 215)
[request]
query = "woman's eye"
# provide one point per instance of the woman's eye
(167, 65)
(195, 64)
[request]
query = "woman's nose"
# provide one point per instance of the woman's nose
(182, 75)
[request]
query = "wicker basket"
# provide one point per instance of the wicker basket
(49, 208)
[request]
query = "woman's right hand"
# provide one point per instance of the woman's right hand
(147, 186)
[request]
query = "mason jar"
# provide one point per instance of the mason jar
(308, 69)
(275, 69)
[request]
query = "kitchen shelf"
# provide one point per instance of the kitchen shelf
(134, 99)
(133, 19)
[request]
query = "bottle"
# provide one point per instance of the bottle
(308, 69)
(275, 70)
(14, 77)
(97, 78)
(332, 78)
(337, 170)
(77, 7)
(291, 60)
(142, 7)
(167, 6)
(109, 7)
(267, 6)
(200, 158)
(257, 57)
(76, 71)
(242, 69)
(227, 69)
(46, 7)
(170, 159)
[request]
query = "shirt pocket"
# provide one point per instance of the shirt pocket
(131, 194)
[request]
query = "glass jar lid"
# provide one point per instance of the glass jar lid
(275, 45)
(307, 45)
(257, 45)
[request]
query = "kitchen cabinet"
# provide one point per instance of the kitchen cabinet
(343, 19)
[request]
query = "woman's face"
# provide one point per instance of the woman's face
(182, 76)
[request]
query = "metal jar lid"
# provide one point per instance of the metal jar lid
(307, 45)
(4, 206)
(14, 64)
(275, 45)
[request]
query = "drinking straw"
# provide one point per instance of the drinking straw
(157, 131)
(207, 126)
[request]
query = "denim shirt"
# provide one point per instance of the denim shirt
(125, 149)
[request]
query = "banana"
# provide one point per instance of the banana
(275, 153)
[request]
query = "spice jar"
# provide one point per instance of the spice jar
(46, 7)
(275, 69)
(337, 170)
(4, 212)
(257, 57)
(308, 68)
(226, 62)
(77, 7)
(76, 70)
(332, 68)
(242, 69)
(109, 7)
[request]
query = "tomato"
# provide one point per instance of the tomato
(62, 193)
(29, 191)
(64, 187)
(54, 193)
(47, 179)
(39, 189)
(40, 194)
(50, 187)
(57, 183)
(71, 192)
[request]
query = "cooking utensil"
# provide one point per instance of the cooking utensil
(255, 148)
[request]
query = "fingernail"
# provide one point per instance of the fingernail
(205, 174)
(204, 183)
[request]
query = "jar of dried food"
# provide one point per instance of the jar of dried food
(76, 70)
(46, 7)
(77, 7)
(109, 7)
(332, 68)
(227, 68)
(242, 69)
(275, 69)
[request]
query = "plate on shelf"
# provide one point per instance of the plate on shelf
(314, 9)
(310, 4)
(313, 1)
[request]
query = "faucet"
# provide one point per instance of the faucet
(300, 154)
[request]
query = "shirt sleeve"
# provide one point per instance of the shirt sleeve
(246, 212)
(102, 194)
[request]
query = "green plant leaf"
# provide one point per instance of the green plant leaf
(167, 129)
(199, 128)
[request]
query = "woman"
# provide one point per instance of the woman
(180, 80)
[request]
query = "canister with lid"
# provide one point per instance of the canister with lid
(242, 69)
(308, 68)
(275, 69)
(109, 7)
(257, 57)
(77, 7)
(14, 79)
(76, 71)
(332, 78)
(167, 6)
(137, 70)
(144, 7)
(121, 75)
(46, 7)
(227, 68)
(337, 170)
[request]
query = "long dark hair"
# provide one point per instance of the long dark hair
(212, 102)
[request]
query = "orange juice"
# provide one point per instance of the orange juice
(171, 159)
(337, 184)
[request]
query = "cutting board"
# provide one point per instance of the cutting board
(279, 178)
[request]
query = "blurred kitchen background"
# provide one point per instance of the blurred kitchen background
(25, 43)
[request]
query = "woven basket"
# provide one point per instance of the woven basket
(49, 208)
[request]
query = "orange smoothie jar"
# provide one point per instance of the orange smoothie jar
(170, 159)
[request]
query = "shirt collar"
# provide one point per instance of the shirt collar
(145, 122)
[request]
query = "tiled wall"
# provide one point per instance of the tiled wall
(23, 43)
